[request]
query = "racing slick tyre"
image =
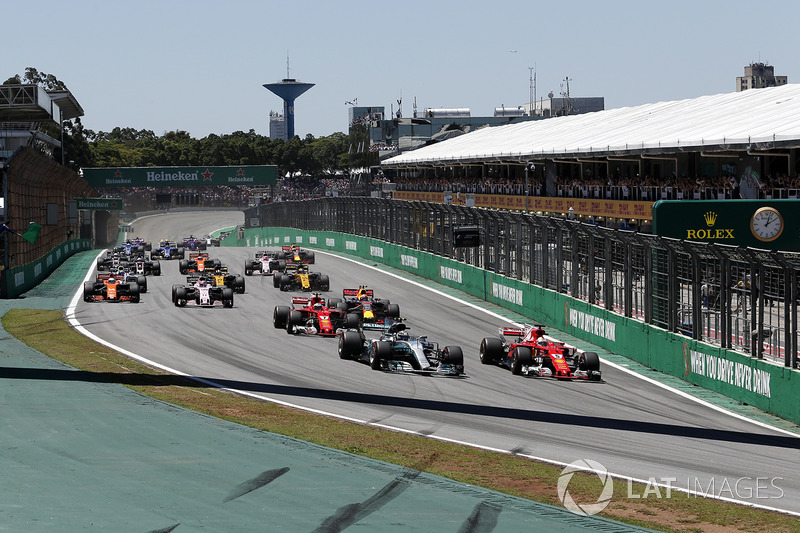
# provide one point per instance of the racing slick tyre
(88, 291)
(227, 297)
(142, 282)
(183, 266)
(453, 355)
(238, 284)
(310, 257)
(295, 319)
(381, 350)
(133, 290)
(351, 321)
(156, 270)
(590, 361)
(324, 283)
(341, 306)
(393, 311)
(350, 345)
(180, 296)
(491, 350)
(286, 283)
(281, 265)
(181, 253)
(248, 267)
(332, 303)
(174, 291)
(101, 264)
(280, 316)
(520, 356)
(276, 280)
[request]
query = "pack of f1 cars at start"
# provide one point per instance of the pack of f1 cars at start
(398, 351)
(312, 316)
(533, 353)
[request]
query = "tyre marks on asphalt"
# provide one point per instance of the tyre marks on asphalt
(482, 520)
(264, 478)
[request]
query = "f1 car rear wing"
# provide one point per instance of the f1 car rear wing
(354, 292)
(196, 255)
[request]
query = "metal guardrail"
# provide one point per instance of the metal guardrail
(741, 299)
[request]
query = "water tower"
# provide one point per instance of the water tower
(288, 90)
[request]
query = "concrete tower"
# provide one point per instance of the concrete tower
(288, 90)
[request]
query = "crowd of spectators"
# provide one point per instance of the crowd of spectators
(646, 188)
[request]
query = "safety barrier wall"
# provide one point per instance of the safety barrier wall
(20, 279)
(772, 388)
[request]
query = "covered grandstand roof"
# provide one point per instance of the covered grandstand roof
(760, 119)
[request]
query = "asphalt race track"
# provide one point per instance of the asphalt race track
(629, 425)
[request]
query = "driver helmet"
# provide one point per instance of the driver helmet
(542, 342)
(111, 277)
(202, 280)
(317, 306)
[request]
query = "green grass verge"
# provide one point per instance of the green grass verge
(48, 333)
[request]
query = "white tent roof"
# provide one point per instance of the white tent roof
(757, 118)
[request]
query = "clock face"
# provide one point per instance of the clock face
(767, 224)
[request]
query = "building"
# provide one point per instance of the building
(277, 126)
(758, 76)
(560, 106)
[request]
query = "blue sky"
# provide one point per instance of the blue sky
(199, 66)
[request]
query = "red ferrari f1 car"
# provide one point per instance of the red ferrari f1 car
(312, 317)
(534, 353)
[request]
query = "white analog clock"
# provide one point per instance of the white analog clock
(766, 224)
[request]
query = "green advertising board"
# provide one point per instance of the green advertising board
(181, 176)
(765, 224)
(110, 204)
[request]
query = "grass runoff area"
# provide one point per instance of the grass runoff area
(48, 333)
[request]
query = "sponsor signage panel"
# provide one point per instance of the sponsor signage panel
(181, 176)
(591, 207)
(111, 204)
(765, 224)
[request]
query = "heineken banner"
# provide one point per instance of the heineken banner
(99, 203)
(180, 176)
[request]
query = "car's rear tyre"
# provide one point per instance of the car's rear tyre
(350, 345)
(381, 351)
(238, 284)
(324, 283)
(276, 280)
(342, 306)
(227, 297)
(520, 356)
(142, 281)
(248, 267)
(393, 311)
(156, 270)
(331, 302)
(295, 319)
(491, 350)
(183, 266)
(310, 257)
(280, 316)
(453, 355)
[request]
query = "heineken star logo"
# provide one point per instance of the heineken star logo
(207, 175)
(240, 172)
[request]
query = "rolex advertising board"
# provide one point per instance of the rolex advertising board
(765, 224)
(180, 176)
